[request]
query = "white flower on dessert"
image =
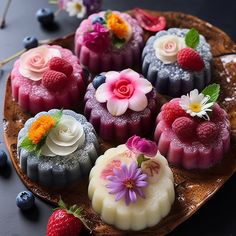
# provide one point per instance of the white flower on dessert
(167, 48)
(196, 104)
(76, 8)
(65, 138)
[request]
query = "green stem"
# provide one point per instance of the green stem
(2, 63)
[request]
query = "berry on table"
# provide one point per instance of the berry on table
(30, 42)
(98, 80)
(25, 200)
(3, 158)
(45, 16)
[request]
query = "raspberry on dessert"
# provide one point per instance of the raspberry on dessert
(171, 111)
(207, 131)
(54, 80)
(190, 59)
(61, 65)
(184, 127)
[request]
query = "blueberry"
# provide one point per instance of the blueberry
(30, 42)
(98, 80)
(45, 16)
(25, 200)
(98, 19)
(3, 158)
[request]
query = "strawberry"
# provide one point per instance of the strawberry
(54, 80)
(61, 65)
(184, 127)
(189, 59)
(207, 131)
(171, 111)
(64, 222)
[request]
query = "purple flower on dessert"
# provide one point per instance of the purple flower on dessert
(127, 183)
(142, 146)
(98, 39)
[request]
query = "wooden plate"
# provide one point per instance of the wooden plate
(193, 188)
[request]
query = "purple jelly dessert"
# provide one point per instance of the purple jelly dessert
(170, 72)
(109, 40)
(123, 105)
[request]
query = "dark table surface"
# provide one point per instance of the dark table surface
(216, 217)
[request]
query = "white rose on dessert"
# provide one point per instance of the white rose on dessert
(167, 48)
(66, 137)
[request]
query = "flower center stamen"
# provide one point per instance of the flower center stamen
(195, 107)
(129, 183)
(78, 7)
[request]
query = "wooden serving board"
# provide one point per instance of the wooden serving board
(193, 188)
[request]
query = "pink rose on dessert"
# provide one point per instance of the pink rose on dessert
(122, 91)
(34, 62)
(98, 39)
(142, 146)
(167, 48)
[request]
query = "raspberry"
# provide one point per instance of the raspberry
(184, 127)
(189, 59)
(207, 131)
(171, 111)
(61, 65)
(54, 80)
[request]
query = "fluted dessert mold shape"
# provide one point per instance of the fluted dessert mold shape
(145, 212)
(34, 97)
(59, 171)
(170, 79)
(111, 59)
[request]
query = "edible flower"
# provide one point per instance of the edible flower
(76, 8)
(122, 91)
(196, 104)
(127, 182)
(117, 25)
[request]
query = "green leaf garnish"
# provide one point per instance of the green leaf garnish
(141, 159)
(192, 38)
(57, 116)
(118, 43)
(107, 13)
(213, 91)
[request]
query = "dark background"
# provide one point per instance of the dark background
(216, 217)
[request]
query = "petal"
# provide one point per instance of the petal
(193, 93)
(210, 104)
(140, 192)
(132, 196)
(117, 106)
(120, 195)
(129, 74)
(112, 77)
(141, 184)
(103, 93)
(143, 85)
(138, 102)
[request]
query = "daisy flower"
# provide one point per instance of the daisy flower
(127, 183)
(76, 8)
(196, 104)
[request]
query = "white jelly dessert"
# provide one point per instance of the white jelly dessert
(131, 186)
(57, 148)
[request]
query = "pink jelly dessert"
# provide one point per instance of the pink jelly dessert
(121, 104)
(47, 77)
(109, 41)
(193, 132)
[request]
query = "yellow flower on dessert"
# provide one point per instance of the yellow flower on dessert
(40, 128)
(117, 25)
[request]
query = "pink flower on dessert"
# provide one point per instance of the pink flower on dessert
(142, 146)
(34, 62)
(127, 183)
(98, 39)
(122, 91)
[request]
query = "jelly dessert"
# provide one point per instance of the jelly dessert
(109, 40)
(131, 186)
(177, 61)
(57, 148)
(47, 77)
(193, 131)
(121, 104)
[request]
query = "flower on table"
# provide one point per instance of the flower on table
(122, 91)
(196, 104)
(128, 183)
(98, 39)
(76, 8)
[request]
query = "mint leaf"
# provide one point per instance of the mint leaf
(118, 43)
(192, 38)
(107, 13)
(27, 144)
(141, 159)
(212, 90)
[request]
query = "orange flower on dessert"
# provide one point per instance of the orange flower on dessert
(117, 25)
(40, 128)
